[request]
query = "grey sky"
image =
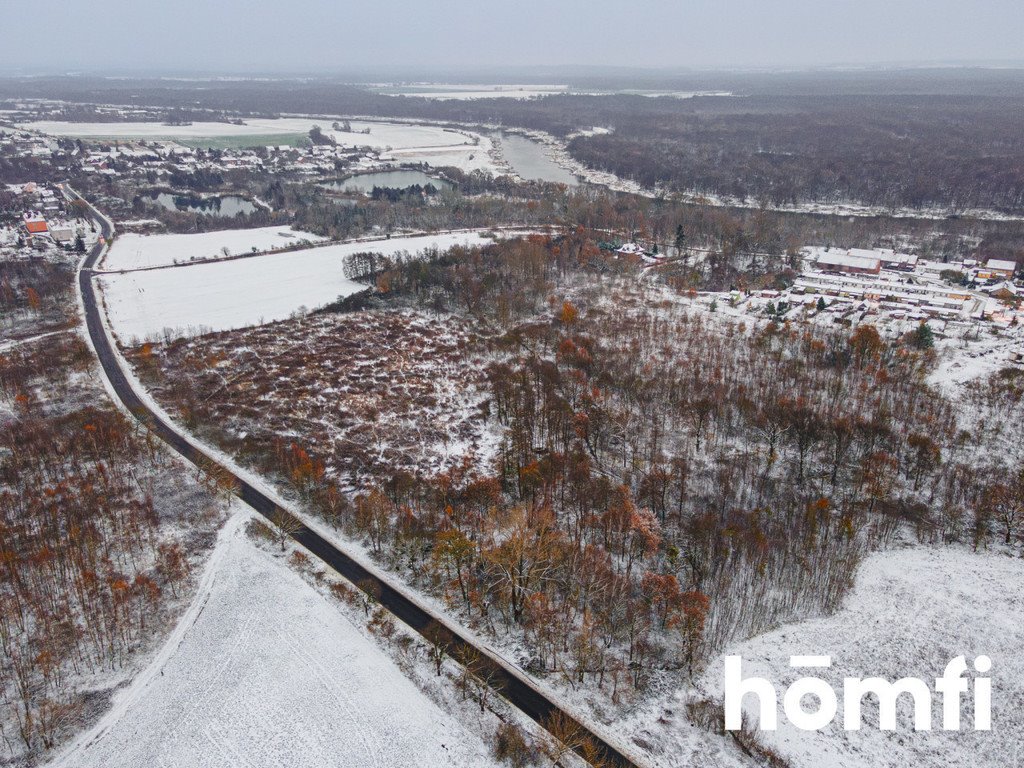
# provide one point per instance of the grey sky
(330, 35)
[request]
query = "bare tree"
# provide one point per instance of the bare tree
(286, 525)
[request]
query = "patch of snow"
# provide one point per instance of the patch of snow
(467, 158)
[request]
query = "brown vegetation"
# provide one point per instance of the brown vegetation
(90, 562)
(665, 480)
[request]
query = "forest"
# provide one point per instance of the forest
(34, 297)
(663, 481)
(99, 528)
(893, 152)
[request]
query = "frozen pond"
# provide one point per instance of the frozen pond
(365, 182)
(223, 206)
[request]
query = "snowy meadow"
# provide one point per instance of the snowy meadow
(236, 293)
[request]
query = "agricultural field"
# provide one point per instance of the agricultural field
(243, 292)
(241, 141)
(263, 667)
(132, 251)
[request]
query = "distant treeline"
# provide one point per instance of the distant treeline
(959, 150)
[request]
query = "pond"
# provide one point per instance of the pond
(223, 206)
(365, 182)
(529, 160)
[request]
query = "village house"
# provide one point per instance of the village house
(1004, 291)
(630, 251)
(996, 268)
(36, 227)
(63, 235)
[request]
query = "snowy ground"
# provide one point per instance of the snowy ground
(134, 251)
(434, 145)
(469, 91)
(9, 344)
(974, 354)
(266, 671)
(401, 391)
(911, 611)
(465, 157)
(242, 292)
(382, 134)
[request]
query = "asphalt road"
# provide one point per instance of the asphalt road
(509, 683)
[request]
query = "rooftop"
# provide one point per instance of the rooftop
(1001, 264)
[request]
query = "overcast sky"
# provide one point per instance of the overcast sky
(331, 35)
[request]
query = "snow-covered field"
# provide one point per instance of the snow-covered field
(465, 157)
(467, 91)
(911, 611)
(399, 141)
(265, 671)
(133, 251)
(381, 134)
(223, 295)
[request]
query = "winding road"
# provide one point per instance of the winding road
(510, 682)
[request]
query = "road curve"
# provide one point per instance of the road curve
(508, 681)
